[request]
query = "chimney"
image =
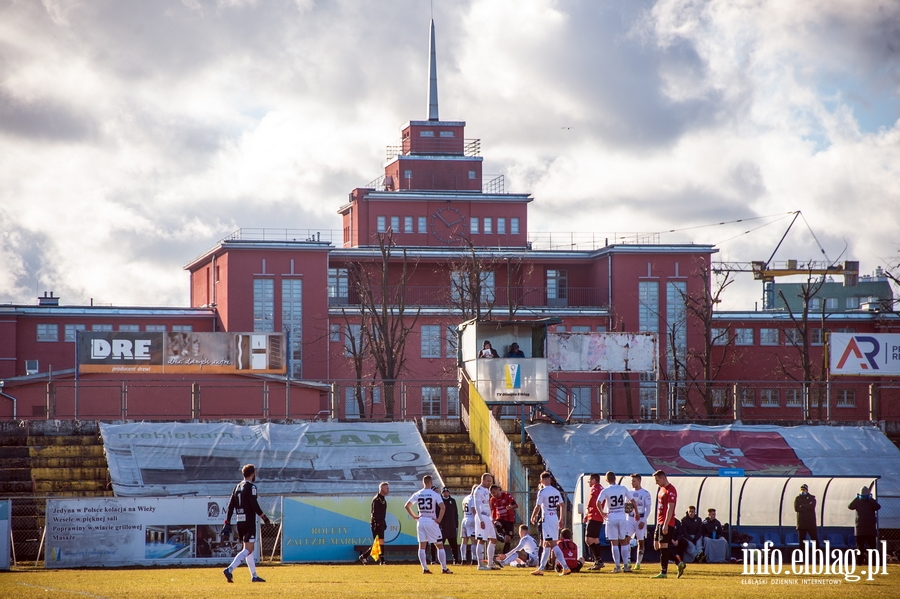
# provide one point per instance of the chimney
(48, 301)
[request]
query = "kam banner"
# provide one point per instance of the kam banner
(325, 529)
(154, 353)
(147, 531)
(864, 354)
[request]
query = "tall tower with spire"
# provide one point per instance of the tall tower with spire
(431, 184)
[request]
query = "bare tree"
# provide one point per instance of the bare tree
(473, 283)
(385, 324)
(356, 351)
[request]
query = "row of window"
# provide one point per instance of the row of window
(831, 303)
(433, 338)
(747, 336)
(432, 399)
(771, 398)
(50, 332)
(477, 225)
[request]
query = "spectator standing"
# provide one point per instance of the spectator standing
(805, 506)
(866, 528)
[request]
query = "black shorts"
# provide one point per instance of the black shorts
(504, 528)
(247, 531)
(378, 529)
(593, 529)
(663, 538)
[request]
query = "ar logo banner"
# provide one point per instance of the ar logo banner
(513, 376)
(854, 350)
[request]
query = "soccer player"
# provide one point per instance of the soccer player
(503, 512)
(547, 506)
(467, 527)
(430, 507)
(666, 499)
(244, 506)
(594, 519)
(570, 552)
(484, 526)
(643, 502)
(524, 554)
(614, 497)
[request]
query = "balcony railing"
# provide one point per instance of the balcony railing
(448, 145)
(499, 299)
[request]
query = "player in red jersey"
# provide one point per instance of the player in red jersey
(666, 499)
(594, 520)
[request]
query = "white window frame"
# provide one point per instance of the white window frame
(47, 332)
(182, 328)
(430, 340)
(381, 224)
(431, 397)
(768, 336)
(102, 328)
(514, 225)
(155, 328)
(473, 225)
(422, 224)
(129, 328)
(769, 398)
(395, 224)
(743, 336)
(845, 398)
(488, 225)
(501, 225)
(71, 332)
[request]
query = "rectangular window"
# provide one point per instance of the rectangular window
(263, 305)
(102, 327)
(719, 336)
(648, 308)
(815, 303)
(352, 396)
(338, 283)
(182, 328)
(793, 337)
(846, 398)
(831, 303)
(155, 328)
(407, 224)
(473, 224)
(353, 342)
(431, 401)
(488, 225)
(423, 224)
(600, 328)
(334, 333)
(852, 303)
(514, 225)
(748, 399)
(743, 336)
(450, 346)
(431, 341)
(815, 336)
(407, 174)
(48, 332)
(446, 133)
(72, 331)
(793, 398)
(676, 319)
(768, 398)
(452, 401)
(487, 287)
(473, 175)
(292, 321)
(580, 328)
(130, 328)
(768, 337)
(501, 225)
(557, 284)
(381, 224)
(395, 224)
(426, 133)
(719, 396)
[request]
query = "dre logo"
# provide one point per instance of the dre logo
(120, 349)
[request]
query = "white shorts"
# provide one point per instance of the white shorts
(428, 531)
(550, 529)
(630, 528)
(638, 533)
(468, 528)
(488, 532)
(616, 530)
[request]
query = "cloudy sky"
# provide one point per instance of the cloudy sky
(135, 134)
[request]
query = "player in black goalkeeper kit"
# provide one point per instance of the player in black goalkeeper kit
(245, 508)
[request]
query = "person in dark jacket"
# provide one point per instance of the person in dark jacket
(805, 506)
(449, 524)
(692, 531)
(866, 522)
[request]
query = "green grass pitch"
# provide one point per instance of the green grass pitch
(701, 581)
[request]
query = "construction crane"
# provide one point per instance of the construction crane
(767, 271)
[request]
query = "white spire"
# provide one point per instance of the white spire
(432, 79)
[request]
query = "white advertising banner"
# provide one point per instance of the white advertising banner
(138, 531)
(175, 458)
(865, 354)
(512, 380)
(602, 352)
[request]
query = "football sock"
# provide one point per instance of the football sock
(663, 559)
(491, 548)
(422, 559)
(251, 563)
(560, 558)
(442, 557)
(640, 556)
(479, 553)
(238, 559)
(595, 551)
(545, 557)
(616, 555)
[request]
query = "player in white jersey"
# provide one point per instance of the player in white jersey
(548, 505)
(524, 554)
(430, 508)
(484, 526)
(467, 527)
(643, 503)
(613, 498)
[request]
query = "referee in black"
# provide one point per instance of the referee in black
(245, 508)
(378, 522)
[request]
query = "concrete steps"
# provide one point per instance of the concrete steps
(455, 458)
